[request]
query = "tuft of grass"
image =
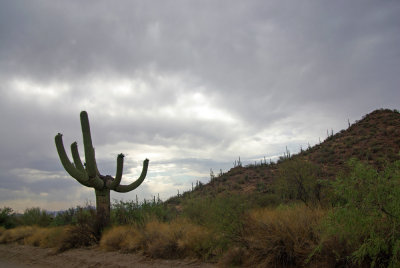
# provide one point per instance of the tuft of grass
(160, 240)
(17, 234)
(194, 240)
(282, 237)
(46, 237)
(123, 238)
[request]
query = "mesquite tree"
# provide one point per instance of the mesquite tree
(88, 174)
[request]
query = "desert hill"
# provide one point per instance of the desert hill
(374, 139)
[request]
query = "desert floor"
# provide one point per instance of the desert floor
(20, 256)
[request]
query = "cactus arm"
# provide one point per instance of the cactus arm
(76, 157)
(135, 184)
(118, 176)
(68, 166)
(87, 142)
(95, 163)
(96, 182)
(91, 167)
(78, 164)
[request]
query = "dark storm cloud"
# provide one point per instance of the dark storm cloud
(198, 79)
(269, 54)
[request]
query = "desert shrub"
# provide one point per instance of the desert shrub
(83, 232)
(281, 237)
(221, 215)
(7, 218)
(36, 216)
(66, 217)
(257, 200)
(299, 180)
(367, 214)
(131, 212)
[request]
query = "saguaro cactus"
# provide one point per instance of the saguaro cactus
(88, 174)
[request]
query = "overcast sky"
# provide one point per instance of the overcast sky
(191, 85)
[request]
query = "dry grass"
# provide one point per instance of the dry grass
(18, 234)
(46, 237)
(194, 240)
(179, 238)
(59, 238)
(156, 239)
(282, 237)
(76, 236)
(2, 229)
(160, 240)
(277, 238)
(123, 238)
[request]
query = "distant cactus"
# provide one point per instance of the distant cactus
(88, 174)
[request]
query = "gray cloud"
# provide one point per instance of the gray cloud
(191, 85)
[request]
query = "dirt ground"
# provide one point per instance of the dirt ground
(21, 256)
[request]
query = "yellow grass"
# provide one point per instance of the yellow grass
(124, 238)
(282, 237)
(46, 237)
(59, 238)
(17, 234)
(156, 239)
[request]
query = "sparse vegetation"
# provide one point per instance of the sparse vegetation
(319, 208)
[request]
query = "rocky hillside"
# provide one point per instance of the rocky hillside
(374, 139)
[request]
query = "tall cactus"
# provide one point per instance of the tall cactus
(88, 174)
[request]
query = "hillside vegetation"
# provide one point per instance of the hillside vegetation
(375, 140)
(336, 204)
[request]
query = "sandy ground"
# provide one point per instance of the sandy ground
(20, 256)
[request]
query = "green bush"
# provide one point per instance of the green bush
(222, 215)
(66, 217)
(298, 180)
(131, 212)
(36, 216)
(367, 213)
(7, 218)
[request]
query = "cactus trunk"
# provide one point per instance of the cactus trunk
(102, 208)
(89, 176)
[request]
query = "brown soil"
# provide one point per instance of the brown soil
(21, 256)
